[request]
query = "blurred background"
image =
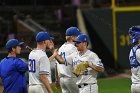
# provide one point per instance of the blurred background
(106, 22)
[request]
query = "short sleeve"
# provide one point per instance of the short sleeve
(44, 66)
(94, 59)
(21, 66)
(138, 55)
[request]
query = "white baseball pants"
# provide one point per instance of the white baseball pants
(135, 88)
(89, 89)
(37, 89)
(68, 85)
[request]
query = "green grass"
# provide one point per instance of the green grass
(111, 86)
(56, 90)
(115, 86)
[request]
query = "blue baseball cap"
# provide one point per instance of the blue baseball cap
(82, 38)
(13, 43)
(72, 31)
(42, 36)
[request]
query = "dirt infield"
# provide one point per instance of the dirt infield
(117, 76)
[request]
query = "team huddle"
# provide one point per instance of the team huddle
(76, 66)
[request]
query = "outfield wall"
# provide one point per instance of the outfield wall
(100, 28)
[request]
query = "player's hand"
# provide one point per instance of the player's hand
(55, 52)
(57, 85)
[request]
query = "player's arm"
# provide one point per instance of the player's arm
(97, 68)
(44, 69)
(44, 79)
(21, 66)
(57, 83)
(96, 63)
(57, 56)
(53, 55)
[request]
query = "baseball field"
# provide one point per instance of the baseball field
(113, 85)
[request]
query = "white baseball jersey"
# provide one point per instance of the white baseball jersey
(65, 50)
(134, 58)
(89, 76)
(38, 64)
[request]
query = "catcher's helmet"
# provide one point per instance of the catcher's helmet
(134, 33)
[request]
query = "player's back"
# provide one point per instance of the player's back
(36, 65)
(65, 50)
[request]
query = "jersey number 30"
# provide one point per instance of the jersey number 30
(32, 65)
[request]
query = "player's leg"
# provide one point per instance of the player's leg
(94, 88)
(135, 88)
(71, 85)
(36, 89)
(138, 88)
(63, 85)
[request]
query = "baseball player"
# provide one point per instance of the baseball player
(39, 66)
(86, 82)
(12, 69)
(134, 58)
(67, 80)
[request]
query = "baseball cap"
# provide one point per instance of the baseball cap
(13, 43)
(72, 31)
(41, 36)
(82, 38)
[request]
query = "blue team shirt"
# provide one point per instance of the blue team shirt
(12, 72)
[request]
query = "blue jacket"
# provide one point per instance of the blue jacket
(12, 73)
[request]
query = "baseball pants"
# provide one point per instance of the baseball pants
(37, 89)
(135, 88)
(89, 89)
(68, 85)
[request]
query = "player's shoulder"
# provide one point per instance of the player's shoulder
(11, 59)
(38, 52)
(91, 53)
(67, 45)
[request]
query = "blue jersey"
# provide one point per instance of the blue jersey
(12, 73)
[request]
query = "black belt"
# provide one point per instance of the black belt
(84, 84)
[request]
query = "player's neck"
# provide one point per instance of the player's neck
(82, 52)
(41, 47)
(71, 42)
(12, 54)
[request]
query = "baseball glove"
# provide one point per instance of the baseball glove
(80, 68)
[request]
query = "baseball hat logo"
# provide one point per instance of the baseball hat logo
(82, 38)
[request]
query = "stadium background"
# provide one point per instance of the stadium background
(106, 22)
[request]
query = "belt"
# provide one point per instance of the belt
(84, 84)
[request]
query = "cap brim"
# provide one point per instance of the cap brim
(51, 38)
(78, 41)
(21, 43)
